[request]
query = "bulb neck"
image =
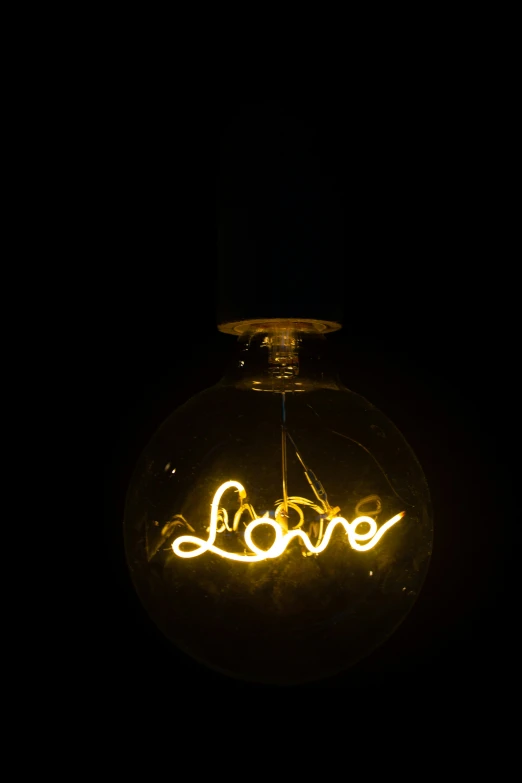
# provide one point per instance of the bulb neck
(282, 355)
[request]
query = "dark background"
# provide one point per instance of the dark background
(428, 337)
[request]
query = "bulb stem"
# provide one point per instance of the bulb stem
(283, 456)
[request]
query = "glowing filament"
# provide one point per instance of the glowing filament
(371, 537)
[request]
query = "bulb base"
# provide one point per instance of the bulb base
(305, 325)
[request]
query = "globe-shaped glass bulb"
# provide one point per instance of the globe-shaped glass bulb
(278, 526)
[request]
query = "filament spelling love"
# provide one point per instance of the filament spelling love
(371, 537)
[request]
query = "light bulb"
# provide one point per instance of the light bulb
(278, 526)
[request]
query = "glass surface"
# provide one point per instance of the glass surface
(307, 452)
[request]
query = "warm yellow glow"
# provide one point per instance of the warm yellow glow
(371, 537)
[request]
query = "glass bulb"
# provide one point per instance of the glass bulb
(278, 526)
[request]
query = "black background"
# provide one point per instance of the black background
(427, 337)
